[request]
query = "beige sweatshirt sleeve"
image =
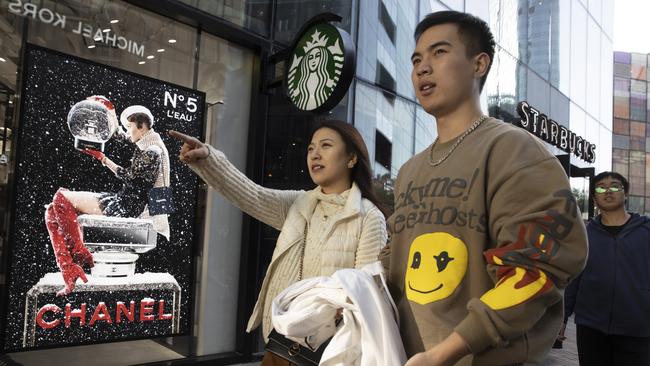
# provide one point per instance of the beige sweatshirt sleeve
(373, 238)
(267, 205)
(538, 245)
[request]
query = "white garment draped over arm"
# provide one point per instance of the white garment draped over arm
(368, 335)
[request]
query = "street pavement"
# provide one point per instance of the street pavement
(568, 355)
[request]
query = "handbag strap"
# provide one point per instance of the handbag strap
(302, 251)
(162, 168)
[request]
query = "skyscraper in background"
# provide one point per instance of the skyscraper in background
(631, 138)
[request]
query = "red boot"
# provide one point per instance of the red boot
(70, 270)
(66, 217)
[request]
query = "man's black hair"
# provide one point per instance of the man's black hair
(613, 175)
(474, 32)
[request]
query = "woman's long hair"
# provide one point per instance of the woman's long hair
(361, 172)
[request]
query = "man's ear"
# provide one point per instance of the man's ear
(481, 64)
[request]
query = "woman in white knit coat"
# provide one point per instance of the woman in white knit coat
(336, 225)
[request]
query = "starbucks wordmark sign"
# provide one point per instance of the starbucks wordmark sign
(320, 68)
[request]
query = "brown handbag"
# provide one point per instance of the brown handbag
(292, 351)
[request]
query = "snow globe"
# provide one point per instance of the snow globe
(92, 122)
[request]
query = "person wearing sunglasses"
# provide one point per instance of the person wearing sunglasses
(611, 298)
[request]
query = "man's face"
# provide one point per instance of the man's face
(443, 76)
(607, 200)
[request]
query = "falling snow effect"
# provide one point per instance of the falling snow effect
(47, 160)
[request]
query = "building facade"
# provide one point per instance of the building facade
(630, 145)
(556, 55)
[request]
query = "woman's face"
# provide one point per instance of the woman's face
(329, 162)
(134, 132)
(314, 58)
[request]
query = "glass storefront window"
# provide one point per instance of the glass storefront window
(622, 70)
(578, 122)
(638, 135)
(592, 67)
(538, 91)
(620, 161)
(127, 37)
(621, 126)
(622, 57)
(114, 33)
(637, 172)
(637, 143)
(638, 66)
(621, 142)
(505, 25)
(290, 15)
(580, 190)
(604, 151)
(635, 203)
(560, 106)
(595, 9)
(638, 100)
(637, 128)
(404, 45)
(608, 20)
(382, 58)
(251, 14)
(225, 74)
(388, 126)
(578, 88)
(480, 8)
(561, 45)
(647, 183)
(505, 86)
(606, 92)
(648, 102)
(621, 98)
(427, 7)
(536, 43)
(458, 5)
(425, 129)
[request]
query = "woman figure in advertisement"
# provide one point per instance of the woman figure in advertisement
(150, 160)
(336, 225)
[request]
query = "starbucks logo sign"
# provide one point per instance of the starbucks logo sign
(320, 68)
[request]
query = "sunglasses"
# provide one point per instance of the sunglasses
(602, 190)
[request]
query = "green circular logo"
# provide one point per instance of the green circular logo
(315, 67)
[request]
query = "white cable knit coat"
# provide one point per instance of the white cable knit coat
(352, 239)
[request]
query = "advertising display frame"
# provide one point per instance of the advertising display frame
(190, 196)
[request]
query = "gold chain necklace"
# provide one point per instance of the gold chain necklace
(458, 141)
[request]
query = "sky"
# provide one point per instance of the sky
(632, 26)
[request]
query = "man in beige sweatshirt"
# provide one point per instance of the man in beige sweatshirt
(486, 233)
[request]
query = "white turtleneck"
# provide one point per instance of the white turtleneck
(327, 207)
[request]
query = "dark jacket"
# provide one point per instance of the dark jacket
(137, 179)
(612, 294)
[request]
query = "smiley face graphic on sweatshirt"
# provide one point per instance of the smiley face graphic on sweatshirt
(437, 263)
